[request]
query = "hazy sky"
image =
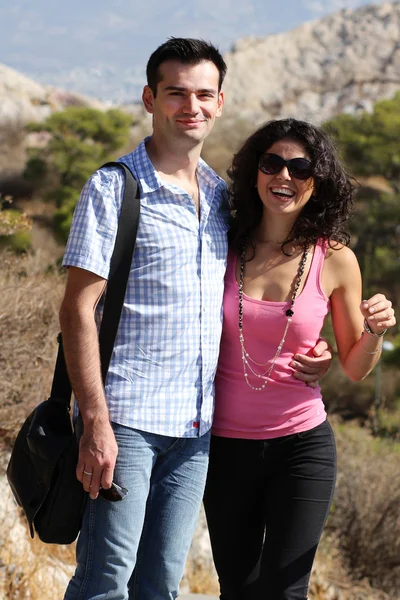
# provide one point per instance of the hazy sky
(65, 42)
(47, 34)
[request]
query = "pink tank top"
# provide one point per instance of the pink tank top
(286, 405)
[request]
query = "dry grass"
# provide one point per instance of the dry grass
(200, 580)
(359, 557)
(366, 517)
(331, 580)
(31, 289)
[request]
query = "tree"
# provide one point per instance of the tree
(73, 144)
(369, 144)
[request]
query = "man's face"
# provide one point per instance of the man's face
(187, 102)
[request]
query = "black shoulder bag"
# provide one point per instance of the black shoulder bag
(42, 467)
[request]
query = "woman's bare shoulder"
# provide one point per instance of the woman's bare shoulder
(341, 268)
(340, 255)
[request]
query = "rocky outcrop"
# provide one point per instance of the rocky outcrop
(23, 100)
(342, 63)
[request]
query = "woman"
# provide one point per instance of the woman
(273, 461)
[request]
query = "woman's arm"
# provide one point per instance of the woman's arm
(358, 351)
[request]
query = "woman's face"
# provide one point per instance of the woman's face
(283, 193)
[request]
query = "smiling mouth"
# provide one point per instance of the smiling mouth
(191, 121)
(283, 193)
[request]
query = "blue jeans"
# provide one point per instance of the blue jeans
(136, 549)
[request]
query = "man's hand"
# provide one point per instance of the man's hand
(97, 455)
(311, 368)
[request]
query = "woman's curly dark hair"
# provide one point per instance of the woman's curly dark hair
(325, 214)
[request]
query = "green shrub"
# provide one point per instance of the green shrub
(80, 140)
(19, 243)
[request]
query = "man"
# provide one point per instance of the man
(156, 409)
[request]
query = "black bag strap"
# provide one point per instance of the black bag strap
(119, 267)
(120, 264)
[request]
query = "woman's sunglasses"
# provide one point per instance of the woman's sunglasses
(299, 168)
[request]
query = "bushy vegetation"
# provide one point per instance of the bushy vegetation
(74, 143)
(370, 141)
(370, 147)
(369, 144)
(365, 517)
(14, 229)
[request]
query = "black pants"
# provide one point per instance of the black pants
(266, 503)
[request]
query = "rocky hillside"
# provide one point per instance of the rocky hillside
(343, 62)
(23, 100)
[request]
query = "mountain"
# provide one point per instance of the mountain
(341, 63)
(23, 100)
(100, 47)
(344, 62)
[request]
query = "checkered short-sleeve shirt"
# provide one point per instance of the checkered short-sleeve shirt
(165, 355)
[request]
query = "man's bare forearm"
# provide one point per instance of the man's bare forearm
(97, 448)
(81, 349)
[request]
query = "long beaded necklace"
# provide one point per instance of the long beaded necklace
(247, 361)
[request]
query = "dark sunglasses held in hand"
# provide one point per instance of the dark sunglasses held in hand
(299, 168)
(114, 494)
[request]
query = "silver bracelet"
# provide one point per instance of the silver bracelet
(368, 330)
(366, 351)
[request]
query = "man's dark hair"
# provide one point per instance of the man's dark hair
(188, 51)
